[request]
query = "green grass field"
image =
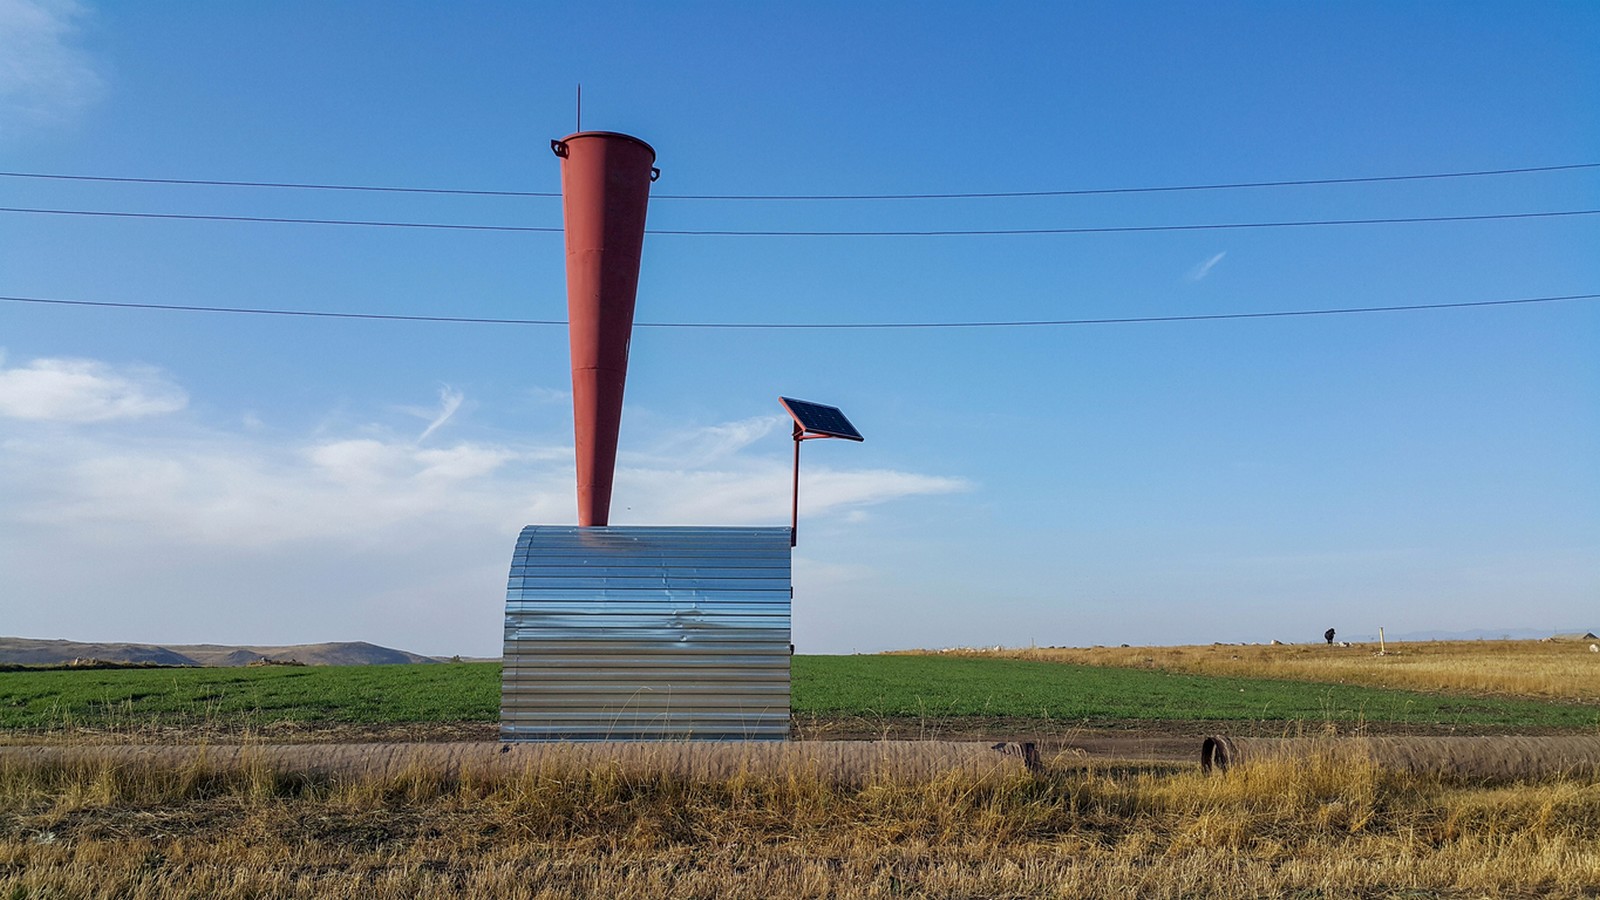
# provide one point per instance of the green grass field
(464, 692)
(934, 686)
(869, 687)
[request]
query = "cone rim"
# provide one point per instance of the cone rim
(610, 134)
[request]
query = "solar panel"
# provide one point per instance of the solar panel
(817, 418)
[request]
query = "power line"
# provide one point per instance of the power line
(199, 182)
(301, 313)
(788, 326)
(277, 220)
(972, 195)
(1091, 192)
(1133, 229)
(953, 232)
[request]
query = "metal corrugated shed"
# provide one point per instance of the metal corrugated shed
(646, 633)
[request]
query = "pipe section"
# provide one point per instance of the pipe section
(605, 189)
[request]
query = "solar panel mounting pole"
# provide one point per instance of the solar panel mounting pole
(812, 421)
(794, 505)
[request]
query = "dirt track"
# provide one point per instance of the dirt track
(1166, 741)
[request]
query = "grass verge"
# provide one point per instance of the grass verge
(1323, 827)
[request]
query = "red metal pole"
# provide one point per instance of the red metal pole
(605, 189)
(794, 506)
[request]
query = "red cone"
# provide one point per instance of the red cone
(605, 187)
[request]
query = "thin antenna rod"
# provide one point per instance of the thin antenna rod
(580, 106)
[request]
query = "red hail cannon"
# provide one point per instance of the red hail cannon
(605, 188)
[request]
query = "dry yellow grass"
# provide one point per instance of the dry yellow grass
(853, 763)
(1323, 827)
(1536, 669)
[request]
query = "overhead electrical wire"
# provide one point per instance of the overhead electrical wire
(279, 220)
(791, 326)
(966, 195)
(815, 233)
(690, 232)
(1127, 229)
(1159, 189)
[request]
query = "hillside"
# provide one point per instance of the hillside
(36, 652)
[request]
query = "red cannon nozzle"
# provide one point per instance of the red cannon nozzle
(605, 188)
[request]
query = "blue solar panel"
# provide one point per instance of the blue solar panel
(818, 418)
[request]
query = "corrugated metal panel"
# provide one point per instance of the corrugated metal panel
(644, 633)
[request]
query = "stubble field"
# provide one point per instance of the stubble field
(1557, 670)
(1326, 826)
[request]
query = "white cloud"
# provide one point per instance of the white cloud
(699, 447)
(1203, 269)
(358, 461)
(241, 490)
(232, 491)
(84, 390)
(757, 493)
(462, 462)
(44, 78)
(162, 530)
(834, 489)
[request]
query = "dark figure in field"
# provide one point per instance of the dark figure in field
(1328, 636)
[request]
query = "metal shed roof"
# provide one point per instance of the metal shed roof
(641, 633)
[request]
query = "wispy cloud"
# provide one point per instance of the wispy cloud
(702, 446)
(449, 401)
(719, 474)
(1203, 269)
(756, 492)
(44, 77)
(84, 390)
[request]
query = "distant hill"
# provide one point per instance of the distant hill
(34, 652)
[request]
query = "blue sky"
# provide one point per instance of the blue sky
(184, 477)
